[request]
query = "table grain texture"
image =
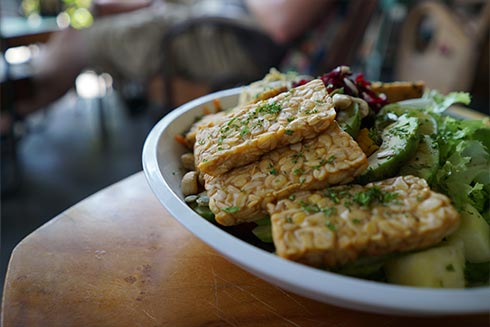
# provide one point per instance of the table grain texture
(118, 258)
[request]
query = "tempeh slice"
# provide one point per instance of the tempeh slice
(246, 134)
(336, 226)
(205, 122)
(241, 195)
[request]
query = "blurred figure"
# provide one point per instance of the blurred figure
(126, 40)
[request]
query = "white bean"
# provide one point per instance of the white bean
(189, 183)
(341, 101)
(187, 160)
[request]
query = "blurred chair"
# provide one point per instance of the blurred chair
(331, 47)
(17, 35)
(258, 48)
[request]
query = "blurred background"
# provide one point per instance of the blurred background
(93, 136)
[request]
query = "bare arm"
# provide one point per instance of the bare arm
(111, 7)
(285, 20)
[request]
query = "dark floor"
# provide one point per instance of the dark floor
(65, 157)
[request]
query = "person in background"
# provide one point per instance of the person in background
(125, 40)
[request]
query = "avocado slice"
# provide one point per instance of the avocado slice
(400, 141)
(425, 161)
(349, 119)
(389, 114)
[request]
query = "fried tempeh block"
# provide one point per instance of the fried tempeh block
(205, 122)
(245, 135)
(398, 91)
(336, 226)
(212, 119)
(269, 93)
(241, 195)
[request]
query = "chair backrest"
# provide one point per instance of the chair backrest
(253, 52)
(221, 53)
(224, 51)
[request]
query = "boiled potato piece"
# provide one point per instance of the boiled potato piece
(475, 234)
(440, 267)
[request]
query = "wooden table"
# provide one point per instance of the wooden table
(118, 259)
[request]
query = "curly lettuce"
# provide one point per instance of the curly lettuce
(464, 172)
(438, 103)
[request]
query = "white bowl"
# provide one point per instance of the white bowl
(161, 163)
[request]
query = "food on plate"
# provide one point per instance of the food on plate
(367, 144)
(440, 266)
(337, 225)
(244, 135)
(387, 190)
(398, 91)
(205, 122)
(474, 232)
(424, 161)
(267, 87)
(241, 195)
(399, 142)
(268, 93)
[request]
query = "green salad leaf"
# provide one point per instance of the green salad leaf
(464, 172)
(263, 230)
(439, 103)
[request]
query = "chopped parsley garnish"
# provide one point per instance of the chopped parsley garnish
(374, 195)
(329, 211)
(298, 171)
(310, 208)
(231, 121)
(331, 159)
(270, 108)
(364, 198)
(289, 132)
(244, 131)
(231, 209)
(320, 164)
(332, 195)
(296, 156)
(314, 208)
(331, 226)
